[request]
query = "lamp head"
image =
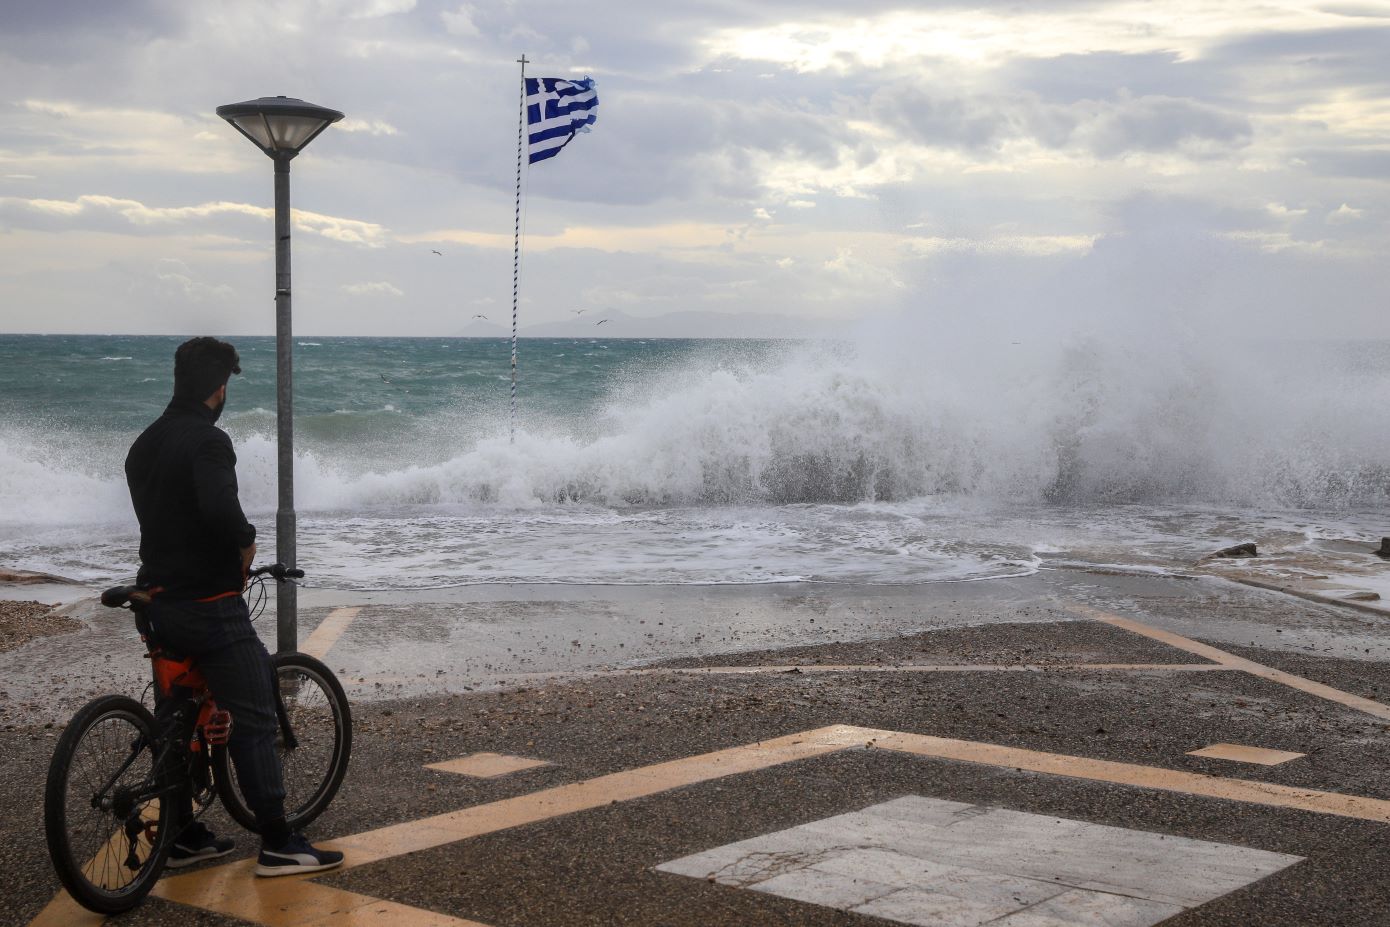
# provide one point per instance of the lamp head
(279, 126)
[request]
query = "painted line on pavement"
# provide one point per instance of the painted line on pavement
(530, 679)
(1231, 661)
(231, 889)
(329, 630)
(291, 900)
(62, 911)
(1247, 791)
(922, 668)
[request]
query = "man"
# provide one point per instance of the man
(196, 547)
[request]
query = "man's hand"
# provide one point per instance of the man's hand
(248, 556)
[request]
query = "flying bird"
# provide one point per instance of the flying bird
(440, 253)
(600, 321)
(480, 316)
(579, 311)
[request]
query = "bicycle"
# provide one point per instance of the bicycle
(119, 771)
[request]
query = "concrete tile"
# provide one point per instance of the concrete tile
(991, 888)
(745, 866)
(867, 830)
(1156, 866)
(1241, 754)
(957, 864)
(824, 888)
(751, 861)
(940, 878)
(883, 866)
(915, 906)
(1092, 909)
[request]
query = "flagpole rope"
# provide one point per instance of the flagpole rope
(516, 232)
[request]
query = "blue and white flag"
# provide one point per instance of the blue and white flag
(555, 110)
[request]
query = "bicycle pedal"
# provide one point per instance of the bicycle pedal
(218, 728)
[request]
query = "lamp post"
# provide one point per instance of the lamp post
(282, 127)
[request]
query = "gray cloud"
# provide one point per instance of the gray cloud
(762, 187)
(1359, 163)
(1106, 128)
(66, 20)
(1101, 75)
(1162, 124)
(971, 123)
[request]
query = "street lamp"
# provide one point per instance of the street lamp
(281, 127)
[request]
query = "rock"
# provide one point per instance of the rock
(1384, 550)
(23, 577)
(1363, 596)
(1238, 551)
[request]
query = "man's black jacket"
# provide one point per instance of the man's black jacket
(182, 477)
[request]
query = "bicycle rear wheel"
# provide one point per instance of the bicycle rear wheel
(321, 721)
(107, 830)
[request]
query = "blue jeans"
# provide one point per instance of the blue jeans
(219, 636)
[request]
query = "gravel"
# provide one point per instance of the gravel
(22, 622)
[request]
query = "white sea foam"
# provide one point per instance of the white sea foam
(924, 461)
(1087, 425)
(1095, 428)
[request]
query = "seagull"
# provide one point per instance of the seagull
(579, 311)
(480, 316)
(440, 253)
(600, 321)
(383, 378)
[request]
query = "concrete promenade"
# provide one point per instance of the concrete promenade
(1069, 748)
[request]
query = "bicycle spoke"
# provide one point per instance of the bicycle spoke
(315, 714)
(96, 835)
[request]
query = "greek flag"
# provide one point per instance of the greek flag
(555, 110)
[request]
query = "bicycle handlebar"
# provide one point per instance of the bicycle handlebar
(276, 571)
(120, 596)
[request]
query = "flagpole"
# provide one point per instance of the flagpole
(516, 233)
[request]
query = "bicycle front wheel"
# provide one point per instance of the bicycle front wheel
(107, 830)
(314, 766)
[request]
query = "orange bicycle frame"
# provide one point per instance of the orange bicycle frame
(215, 724)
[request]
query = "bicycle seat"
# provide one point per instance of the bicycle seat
(119, 596)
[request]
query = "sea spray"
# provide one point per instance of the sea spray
(1087, 422)
(1090, 425)
(906, 456)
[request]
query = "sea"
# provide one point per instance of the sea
(897, 457)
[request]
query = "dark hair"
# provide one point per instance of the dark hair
(201, 365)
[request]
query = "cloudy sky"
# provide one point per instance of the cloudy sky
(1226, 160)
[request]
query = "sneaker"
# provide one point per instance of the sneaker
(196, 844)
(294, 857)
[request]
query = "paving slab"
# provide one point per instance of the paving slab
(994, 861)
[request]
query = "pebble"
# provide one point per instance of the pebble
(21, 622)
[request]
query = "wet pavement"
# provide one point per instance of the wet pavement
(635, 727)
